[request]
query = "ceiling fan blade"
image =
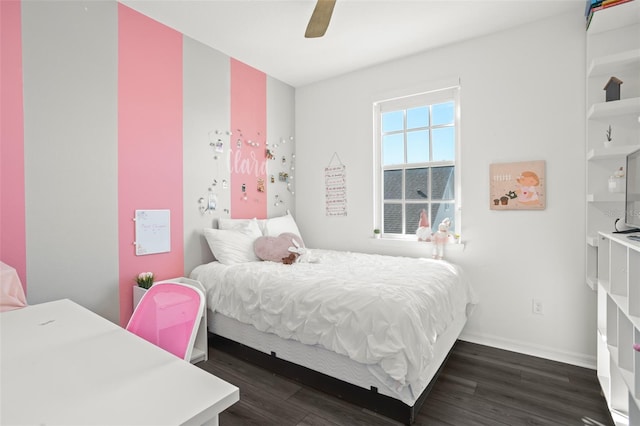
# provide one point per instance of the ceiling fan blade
(320, 18)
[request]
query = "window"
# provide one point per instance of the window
(417, 147)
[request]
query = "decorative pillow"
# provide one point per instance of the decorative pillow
(276, 249)
(233, 246)
(280, 225)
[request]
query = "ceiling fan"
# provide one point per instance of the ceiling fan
(320, 18)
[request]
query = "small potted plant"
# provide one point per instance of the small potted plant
(607, 143)
(144, 280)
(376, 233)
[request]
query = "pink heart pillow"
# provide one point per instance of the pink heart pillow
(275, 248)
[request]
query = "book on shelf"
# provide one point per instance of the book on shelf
(600, 5)
(590, 5)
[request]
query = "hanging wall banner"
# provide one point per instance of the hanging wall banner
(335, 180)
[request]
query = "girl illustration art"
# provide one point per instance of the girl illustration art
(528, 183)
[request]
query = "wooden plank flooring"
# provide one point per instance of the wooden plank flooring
(478, 386)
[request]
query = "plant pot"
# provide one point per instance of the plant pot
(138, 292)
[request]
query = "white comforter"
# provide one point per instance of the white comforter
(379, 310)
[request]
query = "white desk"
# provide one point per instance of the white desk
(61, 364)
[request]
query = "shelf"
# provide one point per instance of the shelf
(613, 49)
(615, 17)
(622, 107)
(611, 152)
(606, 197)
(619, 373)
(616, 62)
(592, 240)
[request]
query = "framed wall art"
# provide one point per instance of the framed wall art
(517, 186)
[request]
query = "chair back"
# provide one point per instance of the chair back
(11, 291)
(168, 316)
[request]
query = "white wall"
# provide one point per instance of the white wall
(522, 98)
(70, 66)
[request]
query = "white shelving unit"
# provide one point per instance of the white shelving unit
(613, 260)
(200, 350)
(613, 49)
(619, 326)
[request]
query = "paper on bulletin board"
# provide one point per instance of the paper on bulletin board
(153, 231)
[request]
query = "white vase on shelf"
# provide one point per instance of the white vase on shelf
(138, 292)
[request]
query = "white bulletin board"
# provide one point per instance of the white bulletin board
(153, 231)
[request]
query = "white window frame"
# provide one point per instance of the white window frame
(442, 94)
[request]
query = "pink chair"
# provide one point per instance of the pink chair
(11, 291)
(168, 316)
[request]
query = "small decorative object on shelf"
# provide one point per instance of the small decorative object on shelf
(607, 143)
(376, 233)
(616, 182)
(145, 279)
(612, 89)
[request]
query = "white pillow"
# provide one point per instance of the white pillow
(234, 245)
(239, 224)
(279, 225)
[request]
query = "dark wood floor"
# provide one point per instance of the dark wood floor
(478, 386)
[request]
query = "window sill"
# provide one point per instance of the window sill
(412, 243)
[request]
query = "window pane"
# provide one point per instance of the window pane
(418, 146)
(393, 218)
(444, 144)
(393, 184)
(413, 216)
(417, 117)
(393, 149)
(417, 184)
(442, 113)
(440, 211)
(443, 187)
(392, 121)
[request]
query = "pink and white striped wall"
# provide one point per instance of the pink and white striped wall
(149, 143)
(141, 146)
(12, 190)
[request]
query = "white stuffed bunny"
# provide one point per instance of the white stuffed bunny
(303, 255)
(440, 238)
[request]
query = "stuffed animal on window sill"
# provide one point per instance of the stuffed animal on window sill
(424, 229)
(440, 238)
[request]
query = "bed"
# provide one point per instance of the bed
(372, 329)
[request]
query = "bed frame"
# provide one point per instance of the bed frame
(319, 368)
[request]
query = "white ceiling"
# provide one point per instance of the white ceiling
(269, 34)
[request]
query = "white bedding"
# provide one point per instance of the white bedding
(382, 311)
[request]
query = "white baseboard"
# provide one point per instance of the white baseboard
(573, 358)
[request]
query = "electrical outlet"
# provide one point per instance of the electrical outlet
(537, 307)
